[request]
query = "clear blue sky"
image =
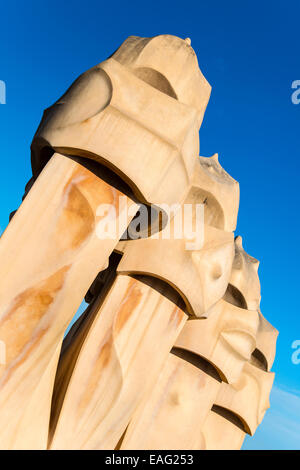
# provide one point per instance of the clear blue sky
(249, 52)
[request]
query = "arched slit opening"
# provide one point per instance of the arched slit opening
(106, 171)
(165, 288)
(42, 152)
(235, 297)
(149, 220)
(259, 360)
(229, 415)
(156, 80)
(155, 218)
(200, 362)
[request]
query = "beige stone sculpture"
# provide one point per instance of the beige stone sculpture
(54, 248)
(244, 286)
(173, 342)
(208, 380)
(131, 126)
(110, 377)
(184, 392)
(228, 338)
(161, 253)
(136, 114)
(240, 407)
(199, 273)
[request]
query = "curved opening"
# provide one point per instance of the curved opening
(259, 360)
(156, 218)
(156, 80)
(42, 152)
(149, 219)
(200, 362)
(235, 297)
(106, 171)
(232, 417)
(163, 287)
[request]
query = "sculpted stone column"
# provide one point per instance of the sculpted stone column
(183, 388)
(117, 362)
(153, 296)
(211, 368)
(134, 115)
(173, 351)
(240, 407)
(197, 265)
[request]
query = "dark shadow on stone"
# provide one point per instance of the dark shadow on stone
(235, 297)
(198, 361)
(259, 360)
(163, 288)
(232, 417)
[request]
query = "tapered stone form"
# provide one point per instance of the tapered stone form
(171, 416)
(109, 377)
(210, 384)
(206, 352)
(197, 263)
(219, 247)
(184, 392)
(111, 413)
(54, 249)
(239, 408)
(226, 339)
(248, 397)
(138, 112)
(133, 115)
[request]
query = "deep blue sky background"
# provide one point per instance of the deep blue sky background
(249, 52)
